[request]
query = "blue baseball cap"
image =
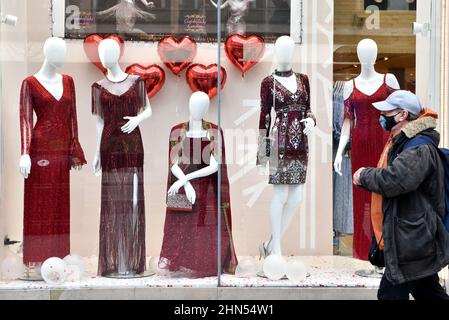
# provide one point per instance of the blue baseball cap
(401, 99)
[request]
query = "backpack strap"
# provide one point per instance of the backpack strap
(419, 140)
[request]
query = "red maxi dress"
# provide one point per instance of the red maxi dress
(368, 141)
(190, 240)
(53, 147)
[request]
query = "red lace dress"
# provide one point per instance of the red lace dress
(122, 224)
(368, 141)
(191, 239)
(53, 147)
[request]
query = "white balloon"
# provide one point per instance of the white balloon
(246, 268)
(76, 260)
(73, 273)
(54, 271)
(274, 267)
(12, 268)
(296, 271)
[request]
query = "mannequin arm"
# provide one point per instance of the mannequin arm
(97, 159)
(224, 5)
(188, 188)
(147, 3)
(26, 128)
(134, 122)
(344, 139)
(392, 82)
(207, 171)
(108, 11)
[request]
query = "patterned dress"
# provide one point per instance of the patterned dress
(285, 146)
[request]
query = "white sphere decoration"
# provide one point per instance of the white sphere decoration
(246, 268)
(296, 271)
(76, 260)
(54, 271)
(73, 273)
(12, 268)
(274, 267)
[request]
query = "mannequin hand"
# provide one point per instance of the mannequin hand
(337, 164)
(190, 192)
(356, 177)
(174, 189)
(25, 165)
(96, 164)
(133, 123)
(309, 124)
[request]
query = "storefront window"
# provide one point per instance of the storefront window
(216, 142)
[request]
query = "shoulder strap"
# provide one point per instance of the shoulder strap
(385, 78)
(419, 140)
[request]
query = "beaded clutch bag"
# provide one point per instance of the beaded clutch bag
(179, 203)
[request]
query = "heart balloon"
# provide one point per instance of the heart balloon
(91, 44)
(177, 54)
(202, 78)
(244, 51)
(153, 75)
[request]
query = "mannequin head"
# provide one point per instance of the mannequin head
(367, 52)
(284, 50)
(54, 51)
(198, 105)
(109, 53)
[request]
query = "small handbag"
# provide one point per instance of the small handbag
(179, 203)
(376, 256)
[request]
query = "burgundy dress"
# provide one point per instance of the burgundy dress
(122, 225)
(53, 147)
(190, 239)
(368, 141)
(286, 146)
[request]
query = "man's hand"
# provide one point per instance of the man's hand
(356, 177)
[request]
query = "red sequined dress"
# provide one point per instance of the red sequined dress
(53, 147)
(368, 141)
(122, 222)
(191, 239)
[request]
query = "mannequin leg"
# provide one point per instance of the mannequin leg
(280, 196)
(295, 197)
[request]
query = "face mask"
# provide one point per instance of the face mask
(388, 123)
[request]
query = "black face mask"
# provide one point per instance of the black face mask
(388, 123)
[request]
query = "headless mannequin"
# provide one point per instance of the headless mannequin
(286, 198)
(198, 107)
(367, 82)
(109, 52)
(54, 52)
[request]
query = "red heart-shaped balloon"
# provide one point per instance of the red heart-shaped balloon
(153, 75)
(244, 51)
(91, 44)
(177, 54)
(202, 78)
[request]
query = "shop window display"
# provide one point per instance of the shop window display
(202, 165)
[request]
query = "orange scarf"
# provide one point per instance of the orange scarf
(376, 199)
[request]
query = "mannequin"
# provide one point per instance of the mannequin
(286, 197)
(51, 148)
(236, 22)
(367, 82)
(193, 164)
(54, 52)
(362, 122)
(198, 107)
(120, 85)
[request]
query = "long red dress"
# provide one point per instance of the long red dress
(368, 141)
(53, 148)
(122, 225)
(191, 239)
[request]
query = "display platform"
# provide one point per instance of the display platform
(331, 277)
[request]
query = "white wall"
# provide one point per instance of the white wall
(311, 232)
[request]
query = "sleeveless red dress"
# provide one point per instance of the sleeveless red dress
(368, 141)
(53, 147)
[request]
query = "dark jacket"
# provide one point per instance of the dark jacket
(416, 241)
